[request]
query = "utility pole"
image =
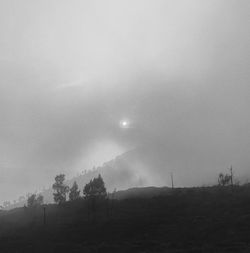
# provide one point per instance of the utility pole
(172, 180)
(231, 175)
(44, 215)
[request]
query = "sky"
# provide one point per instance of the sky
(70, 71)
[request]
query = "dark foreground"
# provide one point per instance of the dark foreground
(183, 220)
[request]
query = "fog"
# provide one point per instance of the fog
(70, 71)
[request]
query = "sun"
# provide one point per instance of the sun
(124, 123)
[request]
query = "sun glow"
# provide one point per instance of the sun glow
(124, 123)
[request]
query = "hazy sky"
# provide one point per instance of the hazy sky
(71, 70)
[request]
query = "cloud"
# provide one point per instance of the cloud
(70, 72)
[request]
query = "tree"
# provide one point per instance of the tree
(6, 204)
(231, 175)
(60, 189)
(224, 179)
(95, 188)
(39, 200)
(74, 193)
(34, 200)
(31, 200)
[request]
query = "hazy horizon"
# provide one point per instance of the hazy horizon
(84, 81)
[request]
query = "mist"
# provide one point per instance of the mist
(70, 72)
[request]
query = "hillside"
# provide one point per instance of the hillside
(140, 167)
(125, 171)
(141, 192)
(205, 220)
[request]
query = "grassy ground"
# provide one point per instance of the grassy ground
(185, 220)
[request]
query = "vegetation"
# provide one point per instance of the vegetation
(136, 220)
(94, 192)
(34, 200)
(226, 179)
(60, 189)
(74, 193)
(207, 220)
(6, 204)
(95, 188)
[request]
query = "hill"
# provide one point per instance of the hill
(140, 167)
(142, 192)
(125, 171)
(213, 219)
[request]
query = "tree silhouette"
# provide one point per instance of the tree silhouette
(39, 200)
(95, 188)
(31, 200)
(224, 179)
(34, 200)
(74, 193)
(6, 204)
(60, 189)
